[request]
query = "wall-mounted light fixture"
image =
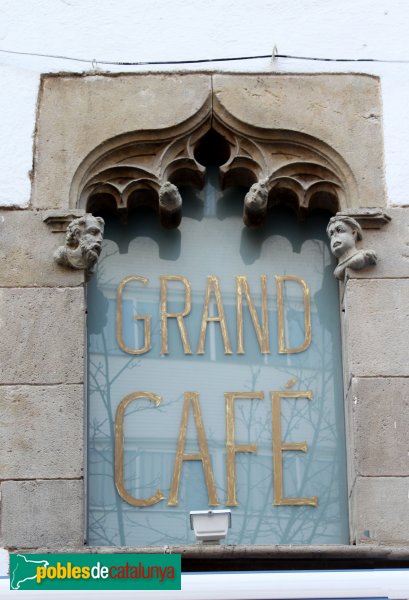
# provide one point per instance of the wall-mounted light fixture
(210, 526)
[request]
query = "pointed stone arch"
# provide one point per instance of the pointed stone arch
(145, 168)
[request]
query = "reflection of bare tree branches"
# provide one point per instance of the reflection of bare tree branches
(320, 471)
(104, 392)
(319, 418)
(101, 436)
(255, 520)
(163, 537)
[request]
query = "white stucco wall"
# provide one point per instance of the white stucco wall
(157, 30)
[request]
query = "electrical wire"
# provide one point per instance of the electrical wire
(131, 64)
(273, 56)
(372, 60)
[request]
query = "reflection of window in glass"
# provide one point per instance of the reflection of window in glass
(146, 468)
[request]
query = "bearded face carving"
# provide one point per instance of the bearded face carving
(83, 244)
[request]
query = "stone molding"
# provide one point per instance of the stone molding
(368, 218)
(207, 553)
(283, 167)
(58, 220)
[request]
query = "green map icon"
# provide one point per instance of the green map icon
(24, 569)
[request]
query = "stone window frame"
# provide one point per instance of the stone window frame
(253, 113)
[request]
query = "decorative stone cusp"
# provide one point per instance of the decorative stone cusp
(83, 244)
(344, 232)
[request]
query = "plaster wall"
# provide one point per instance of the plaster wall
(159, 30)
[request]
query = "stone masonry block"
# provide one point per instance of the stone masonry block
(42, 513)
(377, 327)
(391, 245)
(381, 425)
(104, 107)
(28, 261)
(42, 335)
(41, 432)
(381, 510)
(342, 110)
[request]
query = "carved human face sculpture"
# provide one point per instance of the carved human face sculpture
(90, 239)
(342, 237)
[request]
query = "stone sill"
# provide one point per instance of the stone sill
(277, 552)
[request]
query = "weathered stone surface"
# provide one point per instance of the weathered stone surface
(377, 327)
(41, 431)
(344, 232)
(342, 110)
(27, 259)
(42, 335)
(83, 244)
(369, 217)
(103, 107)
(48, 513)
(350, 446)
(391, 245)
(232, 552)
(381, 425)
(332, 113)
(381, 510)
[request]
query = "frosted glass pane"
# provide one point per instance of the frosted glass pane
(212, 241)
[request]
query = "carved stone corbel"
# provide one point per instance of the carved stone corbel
(170, 205)
(344, 232)
(256, 204)
(83, 244)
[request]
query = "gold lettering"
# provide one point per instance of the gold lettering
(213, 284)
(119, 450)
(119, 325)
(279, 447)
(192, 398)
(231, 447)
(242, 285)
(282, 348)
(165, 315)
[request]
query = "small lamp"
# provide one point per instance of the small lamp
(210, 526)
